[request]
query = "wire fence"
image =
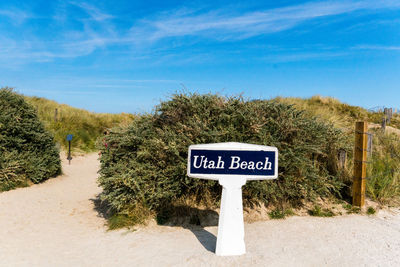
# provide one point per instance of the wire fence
(380, 109)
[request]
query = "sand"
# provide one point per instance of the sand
(55, 224)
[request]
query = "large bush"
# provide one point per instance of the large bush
(144, 165)
(27, 151)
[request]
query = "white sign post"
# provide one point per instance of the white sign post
(232, 164)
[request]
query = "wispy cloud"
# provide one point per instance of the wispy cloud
(96, 32)
(94, 12)
(95, 82)
(222, 24)
(377, 47)
(143, 81)
(49, 92)
(302, 56)
(16, 16)
(366, 25)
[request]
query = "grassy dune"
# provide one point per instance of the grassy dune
(84, 125)
(340, 114)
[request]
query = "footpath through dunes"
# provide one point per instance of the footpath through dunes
(56, 224)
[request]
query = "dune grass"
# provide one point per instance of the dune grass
(383, 184)
(84, 125)
(342, 115)
(384, 169)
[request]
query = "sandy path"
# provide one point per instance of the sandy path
(55, 224)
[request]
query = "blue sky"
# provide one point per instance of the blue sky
(126, 56)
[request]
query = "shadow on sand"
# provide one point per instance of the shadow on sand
(102, 208)
(195, 220)
(187, 217)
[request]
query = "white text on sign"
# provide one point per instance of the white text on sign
(235, 163)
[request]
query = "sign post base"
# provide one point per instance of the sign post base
(230, 240)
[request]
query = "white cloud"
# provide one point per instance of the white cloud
(221, 24)
(377, 47)
(94, 12)
(16, 16)
(304, 56)
(96, 32)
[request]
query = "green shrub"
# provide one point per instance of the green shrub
(371, 211)
(317, 211)
(351, 209)
(27, 151)
(145, 164)
(280, 213)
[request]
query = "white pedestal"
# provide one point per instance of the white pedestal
(230, 240)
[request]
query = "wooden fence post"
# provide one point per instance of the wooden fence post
(360, 163)
(384, 123)
(55, 114)
(370, 145)
(342, 158)
(390, 114)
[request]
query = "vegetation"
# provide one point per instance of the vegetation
(280, 213)
(384, 169)
(144, 160)
(340, 114)
(27, 151)
(383, 184)
(351, 209)
(371, 211)
(320, 212)
(144, 164)
(328, 109)
(84, 125)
